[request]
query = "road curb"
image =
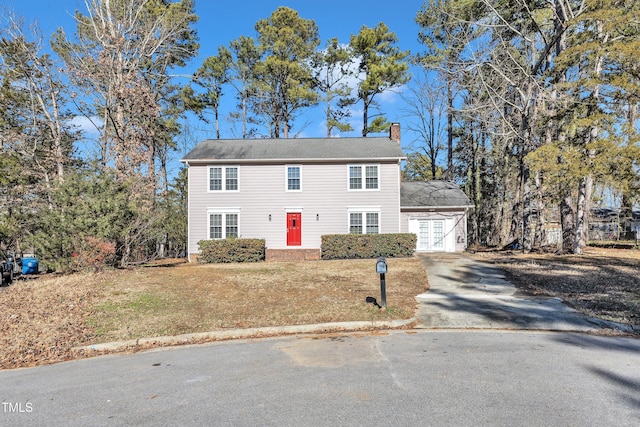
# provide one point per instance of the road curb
(246, 333)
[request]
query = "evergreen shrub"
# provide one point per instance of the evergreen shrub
(351, 246)
(231, 250)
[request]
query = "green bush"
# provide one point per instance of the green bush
(349, 246)
(231, 250)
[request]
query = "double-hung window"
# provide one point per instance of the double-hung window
(294, 177)
(364, 221)
(355, 223)
(372, 222)
(364, 177)
(223, 225)
(223, 178)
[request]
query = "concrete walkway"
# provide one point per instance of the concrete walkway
(469, 294)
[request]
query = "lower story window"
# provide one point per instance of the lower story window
(223, 225)
(372, 222)
(364, 222)
(231, 225)
(355, 223)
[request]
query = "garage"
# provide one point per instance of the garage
(433, 235)
(436, 212)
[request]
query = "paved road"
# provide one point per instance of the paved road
(470, 294)
(403, 378)
(438, 376)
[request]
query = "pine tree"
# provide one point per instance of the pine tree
(283, 82)
(212, 75)
(333, 66)
(382, 67)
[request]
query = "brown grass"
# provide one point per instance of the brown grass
(43, 318)
(602, 282)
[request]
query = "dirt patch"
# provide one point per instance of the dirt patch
(602, 282)
(42, 319)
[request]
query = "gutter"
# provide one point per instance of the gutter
(437, 207)
(190, 162)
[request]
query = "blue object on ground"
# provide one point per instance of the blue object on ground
(29, 265)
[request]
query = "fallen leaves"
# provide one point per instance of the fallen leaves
(603, 283)
(42, 319)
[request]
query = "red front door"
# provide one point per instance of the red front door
(294, 229)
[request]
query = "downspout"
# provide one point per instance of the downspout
(188, 212)
(399, 198)
(466, 231)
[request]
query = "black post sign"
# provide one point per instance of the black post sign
(381, 269)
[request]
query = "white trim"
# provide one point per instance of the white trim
(223, 212)
(286, 177)
(363, 176)
(364, 211)
(189, 215)
(293, 210)
(432, 209)
(399, 181)
(224, 178)
(448, 240)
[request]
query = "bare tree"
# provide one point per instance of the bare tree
(49, 138)
(123, 51)
(426, 108)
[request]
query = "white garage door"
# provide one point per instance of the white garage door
(434, 235)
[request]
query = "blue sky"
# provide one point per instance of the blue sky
(222, 21)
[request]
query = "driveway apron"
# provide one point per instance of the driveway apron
(470, 294)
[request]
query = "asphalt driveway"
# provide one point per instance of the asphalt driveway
(469, 294)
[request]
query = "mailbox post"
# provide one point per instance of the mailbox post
(381, 269)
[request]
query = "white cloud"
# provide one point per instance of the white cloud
(88, 126)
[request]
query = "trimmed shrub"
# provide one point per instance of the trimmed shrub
(350, 246)
(231, 250)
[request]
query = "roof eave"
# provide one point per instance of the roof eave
(436, 207)
(294, 160)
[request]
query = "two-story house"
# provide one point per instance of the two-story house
(291, 192)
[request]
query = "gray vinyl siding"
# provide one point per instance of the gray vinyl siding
(324, 201)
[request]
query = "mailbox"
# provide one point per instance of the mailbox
(381, 265)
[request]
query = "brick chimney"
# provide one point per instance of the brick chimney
(394, 132)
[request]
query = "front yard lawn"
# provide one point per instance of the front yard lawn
(42, 319)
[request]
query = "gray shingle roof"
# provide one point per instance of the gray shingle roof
(432, 194)
(297, 149)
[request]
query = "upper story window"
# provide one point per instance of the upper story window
(294, 178)
(364, 222)
(223, 178)
(364, 177)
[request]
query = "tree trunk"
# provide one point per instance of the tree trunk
(527, 223)
(217, 115)
(586, 183)
(433, 147)
(567, 220)
(328, 115)
(474, 188)
(449, 175)
(516, 217)
(365, 118)
(540, 237)
(582, 215)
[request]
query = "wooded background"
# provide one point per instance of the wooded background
(532, 104)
